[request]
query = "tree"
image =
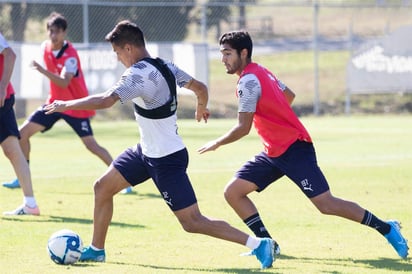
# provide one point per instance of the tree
(160, 20)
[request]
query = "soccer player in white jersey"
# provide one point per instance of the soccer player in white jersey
(161, 155)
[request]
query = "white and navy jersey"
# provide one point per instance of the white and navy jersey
(143, 84)
(249, 91)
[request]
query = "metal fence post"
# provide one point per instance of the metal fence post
(86, 22)
(316, 107)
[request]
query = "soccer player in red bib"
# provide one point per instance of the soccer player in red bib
(9, 133)
(264, 102)
(63, 69)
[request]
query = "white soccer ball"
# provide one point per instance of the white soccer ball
(65, 247)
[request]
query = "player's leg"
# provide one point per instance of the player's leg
(27, 130)
(303, 169)
(236, 194)
(330, 205)
(172, 181)
(84, 130)
(255, 175)
(35, 123)
(9, 142)
(105, 188)
(96, 149)
(92, 145)
(193, 221)
(12, 150)
(126, 169)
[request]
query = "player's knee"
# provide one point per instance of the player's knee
(92, 147)
(8, 152)
(325, 210)
(232, 193)
(97, 187)
(189, 226)
(228, 193)
(193, 223)
(100, 191)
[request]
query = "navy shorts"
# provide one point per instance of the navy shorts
(168, 173)
(298, 163)
(81, 126)
(8, 123)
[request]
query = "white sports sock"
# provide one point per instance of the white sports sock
(30, 201)
(95, 248)
(253, 242)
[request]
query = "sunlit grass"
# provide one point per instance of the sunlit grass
(366, 159)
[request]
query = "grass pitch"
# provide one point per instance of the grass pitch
(366, 159)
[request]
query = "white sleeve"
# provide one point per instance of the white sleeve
(3, 43)
(70, 65)
(129, 86)
(249, 91)
(281, 85)
(182, 78)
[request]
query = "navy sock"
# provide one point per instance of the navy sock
(372, 221)
(256, 225)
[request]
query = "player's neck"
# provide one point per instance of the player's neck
(58, 45)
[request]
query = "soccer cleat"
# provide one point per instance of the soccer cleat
(265, 253)
(91, 255)
(127, 190)
(12, 184)
(395, 238)
(277, 248)
(24, 210)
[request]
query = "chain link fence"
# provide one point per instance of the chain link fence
(276, 26)
(204, 20)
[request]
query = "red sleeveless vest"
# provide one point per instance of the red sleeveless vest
(10, 89)
(274, 119)
(77, 87)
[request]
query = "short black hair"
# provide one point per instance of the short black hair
(58, 20)
(238, 40)
(126, 32)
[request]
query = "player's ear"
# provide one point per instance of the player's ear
(243, 54)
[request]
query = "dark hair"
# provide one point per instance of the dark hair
(58, 20)
(238, 40)
(126, 32)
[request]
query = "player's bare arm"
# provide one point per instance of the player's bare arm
(245, 121)
(289, 94)
(200, 89)
(98, 101)
(60, 80)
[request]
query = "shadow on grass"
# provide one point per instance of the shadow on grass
(381, 263)
(61, 219)
(209, 270)
(134, 193)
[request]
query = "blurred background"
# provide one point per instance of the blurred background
(339, 57)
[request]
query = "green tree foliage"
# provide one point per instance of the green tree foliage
(159, 20)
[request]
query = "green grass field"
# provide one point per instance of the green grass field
(367, 159)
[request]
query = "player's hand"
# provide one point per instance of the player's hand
(56, 106)
(212, 145)
(202, 113)
(36, 66)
